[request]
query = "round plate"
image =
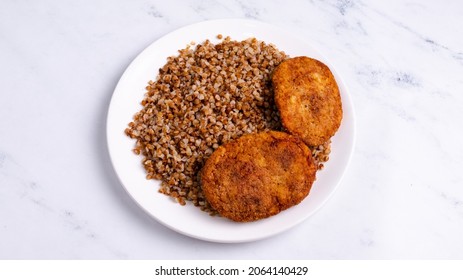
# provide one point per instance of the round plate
(190, 220)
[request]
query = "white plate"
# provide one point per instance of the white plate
(190, 220)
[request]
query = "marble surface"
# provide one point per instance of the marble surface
(402, 196)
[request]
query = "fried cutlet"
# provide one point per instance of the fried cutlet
(308, 99)
(258, 175)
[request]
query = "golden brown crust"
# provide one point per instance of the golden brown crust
(308, 99)
(258, 175)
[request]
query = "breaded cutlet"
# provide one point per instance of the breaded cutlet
(258, 175)
(308, 99)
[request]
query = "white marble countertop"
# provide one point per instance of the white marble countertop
(401, 198)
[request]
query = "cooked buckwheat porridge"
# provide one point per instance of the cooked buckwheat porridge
(202, 98)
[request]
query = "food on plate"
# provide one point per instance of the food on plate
(202, 98)
(258, 175)
(308, 99)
